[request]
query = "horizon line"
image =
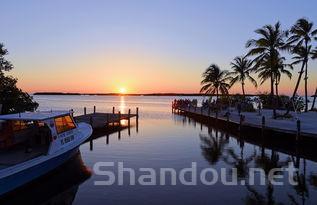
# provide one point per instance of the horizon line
(147, 94)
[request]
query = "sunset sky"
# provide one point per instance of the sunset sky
(144, 46)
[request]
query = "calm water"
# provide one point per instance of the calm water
(164, 140)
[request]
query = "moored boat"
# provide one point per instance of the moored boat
(34, 143)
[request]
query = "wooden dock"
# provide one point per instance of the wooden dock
(304, 126)
(101, 120)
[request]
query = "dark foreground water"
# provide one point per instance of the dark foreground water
(164, 140)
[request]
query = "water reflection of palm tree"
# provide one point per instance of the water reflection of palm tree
(301, 187)
(267, 162)
(240, 163)
(212, 145)
(256, 198)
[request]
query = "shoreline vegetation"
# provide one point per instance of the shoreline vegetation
(265, 58)
(146, 94)
(140, 94)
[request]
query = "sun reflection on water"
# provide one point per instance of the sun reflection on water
(122, 106)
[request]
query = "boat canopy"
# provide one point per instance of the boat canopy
(34, 116)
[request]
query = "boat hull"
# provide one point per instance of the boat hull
(16, 180)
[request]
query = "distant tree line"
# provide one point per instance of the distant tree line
(265, 59)
(12, 98)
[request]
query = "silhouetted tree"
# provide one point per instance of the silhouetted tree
(302, 35)
(215, 81)
(267, 48)
(242, 68)
(12, 98)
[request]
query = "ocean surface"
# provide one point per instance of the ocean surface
(165, 140)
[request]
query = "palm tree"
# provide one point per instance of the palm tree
(215, 81)
(266, 48)
(302, 35)
(314, 56)
(242, 67)
(281, 69)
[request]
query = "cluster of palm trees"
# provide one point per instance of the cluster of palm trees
(267, 61)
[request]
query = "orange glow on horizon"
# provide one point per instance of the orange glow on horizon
(138, 73)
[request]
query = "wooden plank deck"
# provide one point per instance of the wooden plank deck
(99, 120)
(307, 124)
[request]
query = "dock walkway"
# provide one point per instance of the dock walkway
(305, 123)
(99, 120)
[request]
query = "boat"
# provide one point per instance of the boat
(34, 143)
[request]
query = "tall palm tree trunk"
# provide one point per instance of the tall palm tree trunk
(276, 91)
(296, 87)
(315, 96)
(273, 104)
(243, 92)
(306, 89)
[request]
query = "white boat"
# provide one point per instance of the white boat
(34, 143)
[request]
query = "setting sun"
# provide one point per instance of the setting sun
(122, 90)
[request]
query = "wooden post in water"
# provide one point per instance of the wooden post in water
(137, 126)
(263, 124)
(298, 124)
(85, 111)
(240, 123)
(137, 118)
(113, 109)
(201, 110)
(91, 145)
(228, 115)
(208, 111)
(107, 139)
(119, 134)
(94, 109)
(216, 116)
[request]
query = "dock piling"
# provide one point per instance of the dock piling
(240, 122)
(94, 109)
(263, 124)
(85, 111)
(298, 124)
